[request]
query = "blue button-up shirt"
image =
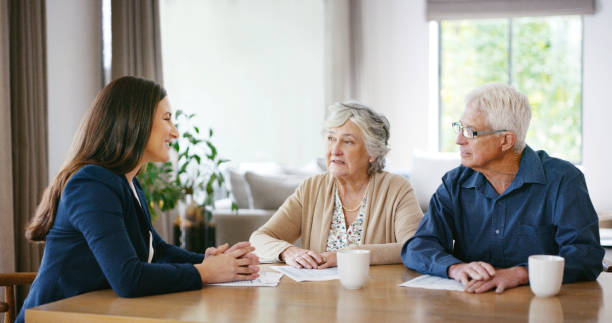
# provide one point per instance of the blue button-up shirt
(545, 210)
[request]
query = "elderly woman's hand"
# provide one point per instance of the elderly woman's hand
(329, 260)
(302, 258)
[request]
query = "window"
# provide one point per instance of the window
(106, 42)
(541, 57)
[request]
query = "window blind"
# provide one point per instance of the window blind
(481, 9)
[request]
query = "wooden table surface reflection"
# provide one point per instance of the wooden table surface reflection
(380, 300)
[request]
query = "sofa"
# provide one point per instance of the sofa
(258, 190)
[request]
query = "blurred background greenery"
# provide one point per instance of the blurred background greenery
(540, 56)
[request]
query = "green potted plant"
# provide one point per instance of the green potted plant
(191, 185)
(159, 188)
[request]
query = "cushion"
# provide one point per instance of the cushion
(427, 172)
(240, 189)
(270, 191)
(322, 164)
(307, 170)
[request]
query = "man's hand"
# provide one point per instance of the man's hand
(473, 271)
(503, 279)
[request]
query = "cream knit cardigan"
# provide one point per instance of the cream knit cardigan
(391, 217)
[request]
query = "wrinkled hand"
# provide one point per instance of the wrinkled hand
(329, 260)
(223, 265)
(503, 279)
(302, 258)
(466, 272)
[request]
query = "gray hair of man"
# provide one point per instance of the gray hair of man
(505, 107)
(374, 128)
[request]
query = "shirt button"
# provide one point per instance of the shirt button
(496, 231)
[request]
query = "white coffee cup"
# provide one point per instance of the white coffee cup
(545, 274)
(353, 267)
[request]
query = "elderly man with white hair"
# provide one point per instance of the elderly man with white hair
(504, 203)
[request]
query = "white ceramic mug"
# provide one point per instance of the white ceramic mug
(545, 274)
(353, 267)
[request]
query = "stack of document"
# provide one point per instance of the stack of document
(300, 275)
(265, 279)
(433, 282)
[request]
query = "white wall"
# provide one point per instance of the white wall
(392, 72)
(253, 70)
(73, 70)
(597, 109)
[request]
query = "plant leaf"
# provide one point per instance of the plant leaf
(213, 150)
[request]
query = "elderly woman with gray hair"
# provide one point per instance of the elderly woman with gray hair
(355, 204)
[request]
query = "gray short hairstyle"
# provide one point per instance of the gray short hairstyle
(374, 128)
(505, 107)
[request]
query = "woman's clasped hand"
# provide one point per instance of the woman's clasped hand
(304, 258)
(223, 264)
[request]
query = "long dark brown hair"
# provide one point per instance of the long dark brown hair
(113, 135)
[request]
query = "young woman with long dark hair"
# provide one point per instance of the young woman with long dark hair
(94, 218)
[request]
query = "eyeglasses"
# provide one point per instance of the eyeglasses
(470, 133)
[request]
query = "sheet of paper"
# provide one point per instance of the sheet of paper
(300, 275)
(268, 260)
(433, 282)
(265, 279)
(605, 237)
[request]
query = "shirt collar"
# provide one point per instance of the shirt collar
(530, 171)
(475, 180)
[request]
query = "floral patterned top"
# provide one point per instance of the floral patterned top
(339, 235)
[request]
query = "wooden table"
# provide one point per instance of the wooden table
(381, 300)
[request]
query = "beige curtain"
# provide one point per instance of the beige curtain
(476, 9)
(136, 39)
(28, 122)
(7, 251)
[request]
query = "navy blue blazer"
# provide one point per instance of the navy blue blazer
(100, 240)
